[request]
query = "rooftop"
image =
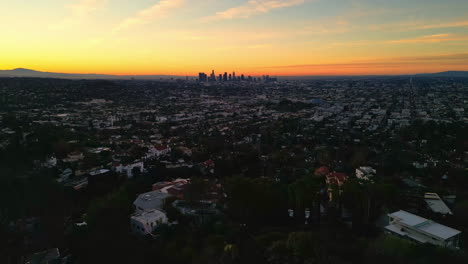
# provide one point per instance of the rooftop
(149, 216)
(424, 225)
(98, 172)
(436, 204)
(151, 200)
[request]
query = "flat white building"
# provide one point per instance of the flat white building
(419, 229)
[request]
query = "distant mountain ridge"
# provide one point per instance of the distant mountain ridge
(446, 74)
(21, 72)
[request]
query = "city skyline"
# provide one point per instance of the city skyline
(275, 37)
(228, 77)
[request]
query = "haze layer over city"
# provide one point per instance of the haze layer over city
(247, 131)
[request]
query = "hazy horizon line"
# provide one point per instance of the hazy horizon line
(252, 75)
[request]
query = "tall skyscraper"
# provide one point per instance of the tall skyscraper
(230, 77)
(233, 76)
(213, 76)
(202, 77)
(225, 78)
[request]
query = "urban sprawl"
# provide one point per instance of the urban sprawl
(234, 169)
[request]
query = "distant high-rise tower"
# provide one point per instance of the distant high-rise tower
(225, 78)
(202, 77)
(233, 76)
(230, 77)
(213, 76)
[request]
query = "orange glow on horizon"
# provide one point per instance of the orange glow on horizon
(276, 38)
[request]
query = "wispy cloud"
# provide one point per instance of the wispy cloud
(446, 59)
(78, 11)
(83, 7)
(454, 24)
(252, 7)
(417, 25)
(431, 39)
(150, 14)
(386, 65)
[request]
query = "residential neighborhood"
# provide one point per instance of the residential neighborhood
(232, 172)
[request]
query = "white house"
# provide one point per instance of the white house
(128, 169)
(365, 173)
(145, 223)
(419, 229)
(148, 212)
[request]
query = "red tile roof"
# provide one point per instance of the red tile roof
(322, 171)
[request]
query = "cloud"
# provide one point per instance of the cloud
(377, 66)
(157, 11)
(79, 11)
(84, 7)
(352, 43)
(431, 39)
(454, 24)
(252, 7)
(443, 59)
(418, 25)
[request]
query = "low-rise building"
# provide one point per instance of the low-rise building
(146, 222)
(365, 173)
(335, 180)
(153, 200)
(174, 188)
(436, 204)
(421, 230)
(129, 169)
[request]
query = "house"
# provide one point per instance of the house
(144, 223)
(322, 171)
(128, 169)
(157, 151)
(153, 200)
(51, 162)
(174, 188)
(365, 173)
(421, 230)
(74, 157)
(100, 176)
(335, 179)
(436, 204)
(149, 212)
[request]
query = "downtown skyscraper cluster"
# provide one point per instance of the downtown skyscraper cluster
(231, 77)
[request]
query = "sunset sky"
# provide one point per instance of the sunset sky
(276, 37)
